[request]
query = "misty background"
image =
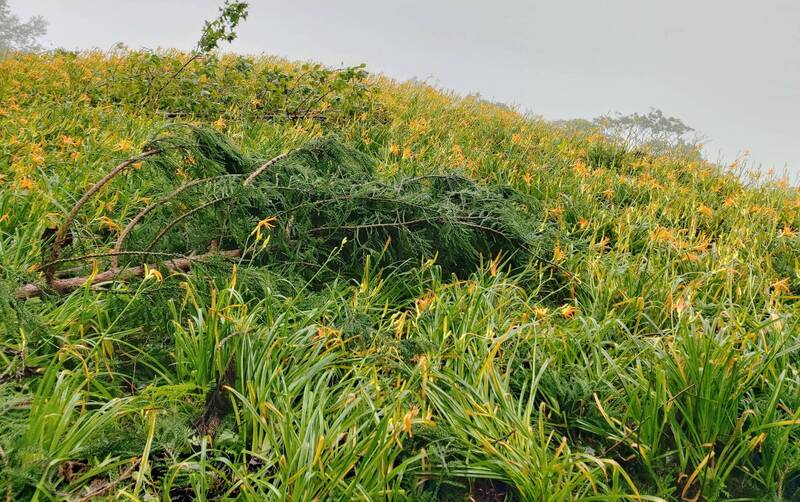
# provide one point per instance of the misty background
(728, 68)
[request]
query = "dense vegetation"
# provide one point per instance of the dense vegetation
(437, 298)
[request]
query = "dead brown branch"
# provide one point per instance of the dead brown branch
(122, 274)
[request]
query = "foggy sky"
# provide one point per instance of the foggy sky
(729, 68)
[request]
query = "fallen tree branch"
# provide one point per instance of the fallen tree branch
(175, 193)
(61, 235)
(159, 202)
(263, 167)
(180, 218)
(71, 284)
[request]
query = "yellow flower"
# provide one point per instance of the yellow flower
(418, 126)
(424, 301)
(394, 149)
(265, 224)
(123, 145)
(407, 153)
(703, 245)
(705, 211)
(595, 138)
(568, 311)
(558, 212)
(220, 123)
(661, 234)
(152, 273)
(558, 254)
(493, 265)
(781, 287)
(580, 167)
(680, 304)
(408, 420)
(691, 257)
(541, 313)
(26, 184)
(399, 322)
(110, 224)
(327, 333)
(37, 158)
(458, 154)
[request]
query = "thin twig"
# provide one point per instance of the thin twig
(194, 57)
(112, 255)
(455, 222)
(102, 489)
(180, 218)
(416, 222)
(312, 105)
(263, 167)
(374, 225)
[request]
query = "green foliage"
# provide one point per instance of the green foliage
(236, 88)
(333, 211)
(452, 301)
(222, 28)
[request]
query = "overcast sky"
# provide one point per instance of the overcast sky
(729, 68)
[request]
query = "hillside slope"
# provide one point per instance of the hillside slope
(638, 335)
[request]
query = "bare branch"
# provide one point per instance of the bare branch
(67, 285)
(263, 167)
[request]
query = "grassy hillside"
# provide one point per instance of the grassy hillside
(436, 297)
